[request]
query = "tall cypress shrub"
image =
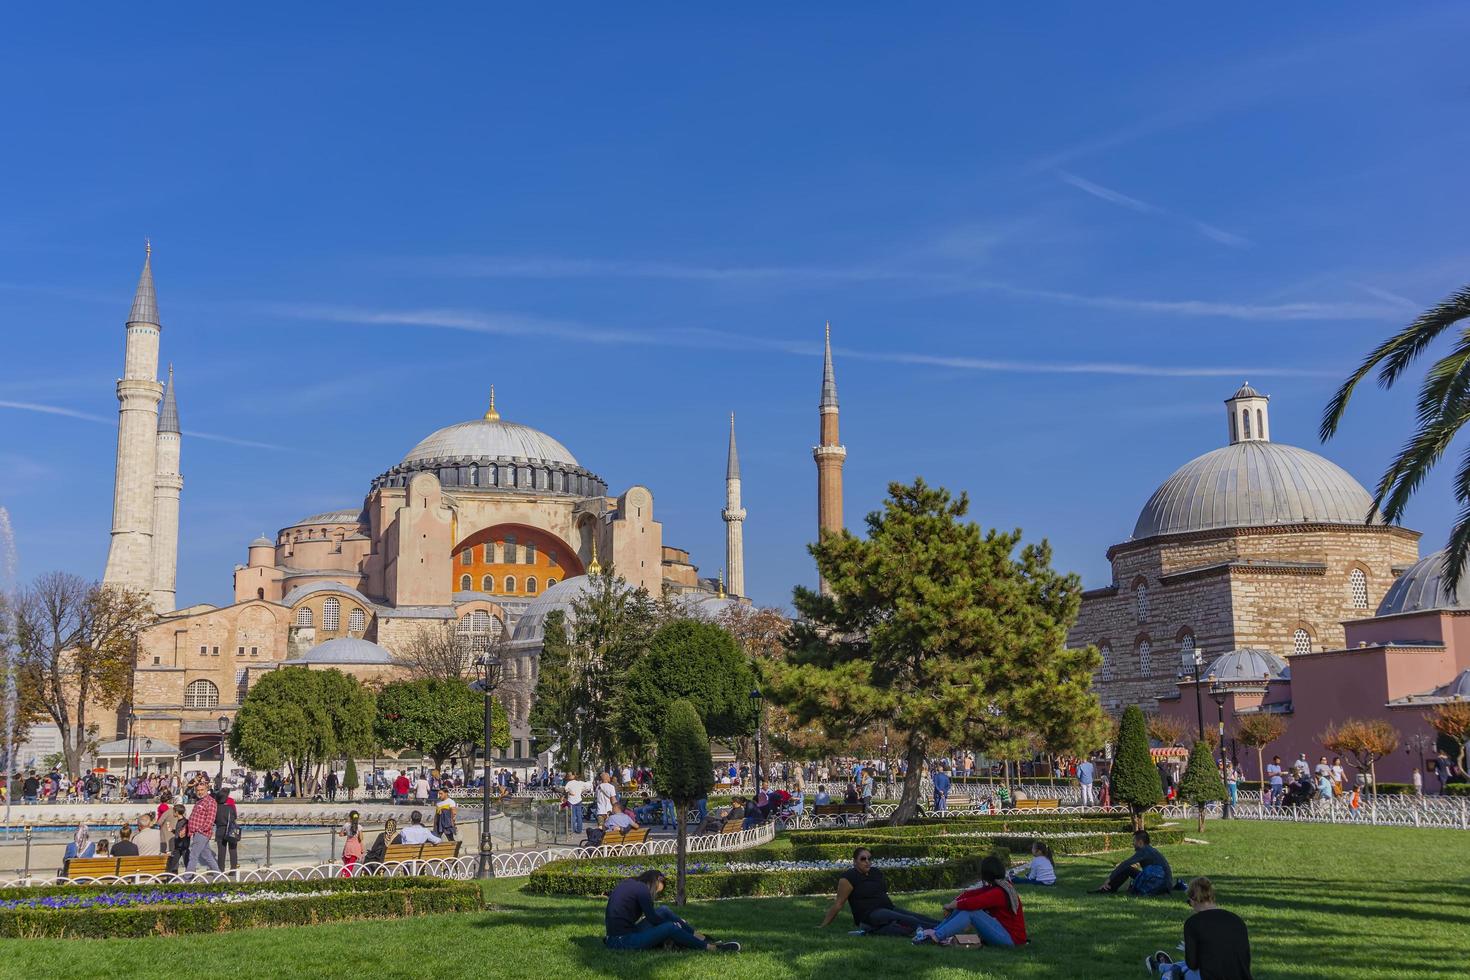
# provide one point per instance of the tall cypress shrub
(1201, 783)
(1135, 781)
(683, 772)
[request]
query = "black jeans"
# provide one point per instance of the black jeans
(219, 848)
(896, 922)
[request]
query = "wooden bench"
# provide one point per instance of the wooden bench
(115, 867)
(732, 826)
(414, 853)
(845, 811)
(1036, 804)
(634, 835)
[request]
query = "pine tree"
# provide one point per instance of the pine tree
(1201, 783)
(349, 778)
(683, 772)
(942, 631)
(1135, 781)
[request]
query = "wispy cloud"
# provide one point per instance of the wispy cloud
(1212, 232)
(704, 338)
(72, 413)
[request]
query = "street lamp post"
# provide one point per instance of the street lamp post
(759, 699)
(1217, 693)
(488, 670)
(224, 726)
(128, 766)
(1192, 662)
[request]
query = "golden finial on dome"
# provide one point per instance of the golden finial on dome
(722, 584)
(593, 567)
(491, 415)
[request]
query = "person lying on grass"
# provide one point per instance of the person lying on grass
(633, 922)
(863, 889)
(1146, 866)
(1216, 942)
(992, 908)
(1040, 871)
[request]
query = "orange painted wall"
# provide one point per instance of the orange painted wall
(554, 560)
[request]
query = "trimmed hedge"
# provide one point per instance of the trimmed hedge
(968, 825)
(958, 847)
(558, 878)
(352, 898)
(1457, 789)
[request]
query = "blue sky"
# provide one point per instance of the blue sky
(1049, 242)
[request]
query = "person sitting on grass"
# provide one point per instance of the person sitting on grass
(863, 889)
(1146, 866)
(1216, 942)
(992, 908)
(1041, 870)
(620, 820)
(633, 922)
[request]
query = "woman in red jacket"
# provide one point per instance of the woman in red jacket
(992, 908)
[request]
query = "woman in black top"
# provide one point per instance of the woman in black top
(863, 889)
(1216, 942)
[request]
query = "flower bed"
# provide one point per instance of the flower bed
(735, 875)
(979, 844)
(113, 911)
(995, 823)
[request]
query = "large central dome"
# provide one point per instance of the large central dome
(487, 439)
(1254, 484)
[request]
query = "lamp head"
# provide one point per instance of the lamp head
(224, 724)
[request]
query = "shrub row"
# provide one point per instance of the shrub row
(361, 884)
(970, 825)
(956, 847)
(1457, 789)
(405, 897)
(576, 878)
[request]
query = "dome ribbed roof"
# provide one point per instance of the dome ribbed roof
(1422, 587)
(345, 650)
(343, 515)
(262, 542)
(1249, 665)
(1254, 484)
(490, 439)
(532, 624)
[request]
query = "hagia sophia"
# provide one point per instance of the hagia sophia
(1263, 564)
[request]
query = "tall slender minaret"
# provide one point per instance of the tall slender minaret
(130, 558)
(167, 482)
(734, 516)
(829, 454)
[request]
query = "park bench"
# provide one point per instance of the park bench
(1037, 804)
(732, 826)
(846, 811)
(115, 867)
(413, 854)
(634, 835)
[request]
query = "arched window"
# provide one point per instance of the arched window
(466, 583)
(1245, 422)
(489, 552)
(1140, 601)
(332, 614)
(1301, 641)
(530, 585)
(1145, 668)
(260, 593)
(550, 582)
(1233, 436)
(530, 552)
(510, 583)
(474, 475)
(303, 616)
(487, 584)
(467, 556)
(1358, 588)
(201, 694)
(1260, 424)
(1186, 648)
(1106, 649)
(356, 621)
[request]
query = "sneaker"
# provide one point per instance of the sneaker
(858, 932)
(729, 946)
(919, 936)
(1153, 962)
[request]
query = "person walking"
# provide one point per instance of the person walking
(606, 794)
(572, 791)
(201, 827)
(1085, 773)
(445, 814)
(226, 830)
(941, 790)
(332, 786)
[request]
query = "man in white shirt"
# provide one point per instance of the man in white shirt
(606, 795)
(572, 793)
(416, 832)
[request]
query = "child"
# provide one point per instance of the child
(1040, 871)
(352, 849)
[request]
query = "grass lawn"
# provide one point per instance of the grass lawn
(1321, 901)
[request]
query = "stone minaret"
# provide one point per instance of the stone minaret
(167, 482)
(829, 454)
(734, 516)
(130, 558)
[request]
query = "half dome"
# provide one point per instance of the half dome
(1255, 484)
(1422, 587)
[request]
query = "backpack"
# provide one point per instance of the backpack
(232, 828)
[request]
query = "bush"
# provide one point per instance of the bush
(1002, 823)
(1457, 789)
(585, 878)
(960, 847)
(351, 898)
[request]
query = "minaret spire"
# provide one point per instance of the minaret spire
(829, 453)
(734, 516)
(167, 484)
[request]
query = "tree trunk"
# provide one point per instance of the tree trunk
(1201, 818)
(1261, 766)
(908, 802)
(681, 817)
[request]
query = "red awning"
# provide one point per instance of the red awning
(1172, 752)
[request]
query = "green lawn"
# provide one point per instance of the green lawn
(1321, 901)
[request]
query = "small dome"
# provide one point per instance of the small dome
(1249, 665)
(703, 605)
(345, 650)
(1245, 391)
(1254, 484)
(531, 626)
(262, 542)
(487, 439)
(1422, 588)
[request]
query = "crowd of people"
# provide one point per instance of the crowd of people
(198, 828)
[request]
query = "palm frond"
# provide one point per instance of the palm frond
(1419, 455)
(1458, 548)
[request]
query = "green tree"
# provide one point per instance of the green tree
(554, 707)
(695, 661)
(1443, 409)
(302, 718)
(940, 630)
(1135, 780)
(349, 778)
(683, 773)
(436, 717)
(1201, 783)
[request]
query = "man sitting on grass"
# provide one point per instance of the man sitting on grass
(634, 923)
(1216, 942)
(1146, 866)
